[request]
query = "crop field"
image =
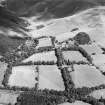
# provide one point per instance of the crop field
(44, 56)
(3, 67)
(98, 36)
(73, 56)
(92, 49)
(97, 55)
(64, 36)
(98, 94)
(6, 97)
(43, 42)
(99, 61)
(50, 78)
(23, 76)
(87, 76)
(76, 103)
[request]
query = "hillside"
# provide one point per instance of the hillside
(60, 61)
(50, 8)
(12, 30)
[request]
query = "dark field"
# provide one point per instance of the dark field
(8, 44)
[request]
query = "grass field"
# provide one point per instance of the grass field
(64, 36)
(98, 94)
(43, 42)
(50, 78)
(6, 98)
(87, 76)
(44, 56)
(8, 44)
(98, 35)
(75, 103)
(23, 76)
(73, 56)
(56, 27)
(99, 61)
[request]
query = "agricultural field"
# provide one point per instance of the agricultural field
(73, 56)
(23, 76)
(64, 36)
(92, 49)
(97, 54)
(98, 94)
(75, 103)
(99, 61)
(3, 67)
(43, 56)
(8, 97)
(97, 36)
(44, 42)
(50, 78)
(87, 76)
